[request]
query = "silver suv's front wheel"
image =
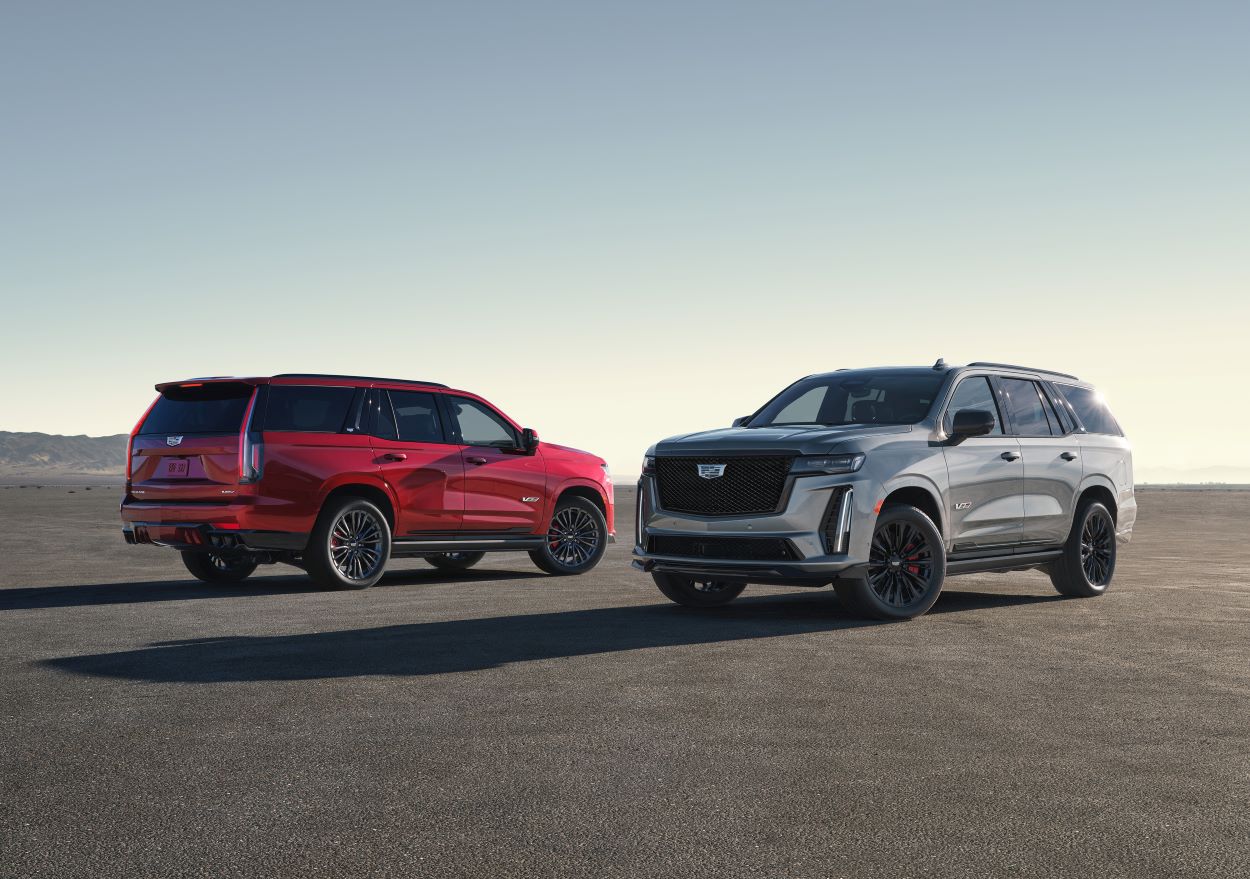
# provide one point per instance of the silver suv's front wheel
(906, 567)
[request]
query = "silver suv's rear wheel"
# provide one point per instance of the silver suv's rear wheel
(906, 567)
(1088, 562)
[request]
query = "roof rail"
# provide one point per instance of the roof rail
(1022, 368)
(360, 378)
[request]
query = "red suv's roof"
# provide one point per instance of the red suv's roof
(296, 378)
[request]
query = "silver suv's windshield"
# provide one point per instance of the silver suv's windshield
(858, 397)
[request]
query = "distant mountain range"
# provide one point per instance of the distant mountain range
(52, 455)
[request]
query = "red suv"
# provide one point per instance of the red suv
(339, 474)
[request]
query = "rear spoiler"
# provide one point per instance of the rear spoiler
(222, 382)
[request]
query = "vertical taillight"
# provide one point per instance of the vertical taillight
(130, 443)
(251, 447)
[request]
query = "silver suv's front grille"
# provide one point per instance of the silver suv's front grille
(745, 485)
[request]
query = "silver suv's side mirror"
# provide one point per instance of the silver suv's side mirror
(971, 422)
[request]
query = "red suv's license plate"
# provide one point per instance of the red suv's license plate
(177, 468)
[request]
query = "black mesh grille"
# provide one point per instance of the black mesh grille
(747, 549)
(748, 485)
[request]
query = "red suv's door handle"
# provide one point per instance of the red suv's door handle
(394, 456)
(476, 460)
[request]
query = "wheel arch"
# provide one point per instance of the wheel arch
(922, 495)
(372, 492)
(1099, 489)
(583, 489)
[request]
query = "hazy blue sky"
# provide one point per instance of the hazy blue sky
(623, 221)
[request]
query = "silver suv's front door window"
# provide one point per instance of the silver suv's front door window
(973, 393)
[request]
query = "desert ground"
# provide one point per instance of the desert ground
(506, 723)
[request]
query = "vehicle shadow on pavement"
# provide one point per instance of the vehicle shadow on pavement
(448, 646)
(36, 597)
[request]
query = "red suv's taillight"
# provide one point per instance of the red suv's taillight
(130, 443)
(251, 447)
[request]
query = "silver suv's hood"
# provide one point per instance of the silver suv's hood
(803, 440)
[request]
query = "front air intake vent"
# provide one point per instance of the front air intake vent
(743, 549)
(722, 486)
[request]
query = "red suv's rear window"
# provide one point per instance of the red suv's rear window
(209, 408)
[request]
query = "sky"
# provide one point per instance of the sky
(622, 221)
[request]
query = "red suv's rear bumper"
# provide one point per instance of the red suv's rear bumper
(204, 526)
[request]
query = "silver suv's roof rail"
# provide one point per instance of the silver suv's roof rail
(986, 363)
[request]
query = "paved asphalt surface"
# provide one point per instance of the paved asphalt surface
(511, 724)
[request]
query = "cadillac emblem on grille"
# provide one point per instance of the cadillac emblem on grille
(711, 471)
(173, 440)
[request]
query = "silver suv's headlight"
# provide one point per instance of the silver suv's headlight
(808, 464)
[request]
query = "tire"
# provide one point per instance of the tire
(213, 568)
(1088, 562)
(892, 589)
(689, 592)
(455, 561)
(349, 546)
(576, 539)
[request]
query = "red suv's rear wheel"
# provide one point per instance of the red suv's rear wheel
(350, 545)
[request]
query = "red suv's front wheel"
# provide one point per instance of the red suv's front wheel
(576, 538)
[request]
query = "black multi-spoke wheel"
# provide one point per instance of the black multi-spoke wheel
(900, 563)
(212, 567)
(576, 538)
(455, 561)
(1088, 560)
(356, 544)
(906, 567)
(350, 545)
(693, 592)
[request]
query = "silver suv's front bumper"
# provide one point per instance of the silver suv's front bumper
(826, 520)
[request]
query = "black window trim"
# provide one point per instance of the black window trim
(453, 424)
(443, 427)
(994, 397)
(352, 409)
(1002, 391)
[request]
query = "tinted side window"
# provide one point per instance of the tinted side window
(416, 417)
(308, 409)
(479, 426)
(1091, 410)
(383, 416)
(1055, 406)
(973, 393)
(1024, 404)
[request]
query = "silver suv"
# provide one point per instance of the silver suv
(885, 481)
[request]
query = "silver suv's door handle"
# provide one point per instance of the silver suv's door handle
(1009, 456)
(1068, 456)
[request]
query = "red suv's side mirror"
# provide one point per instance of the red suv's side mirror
(529, 440)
